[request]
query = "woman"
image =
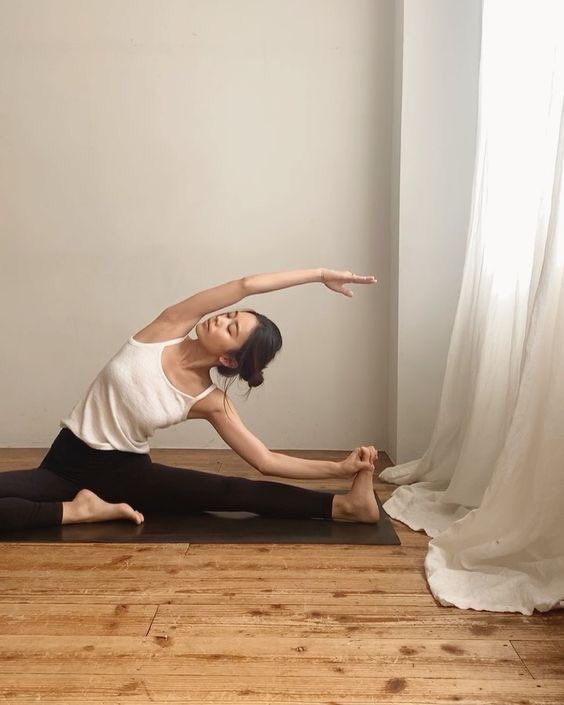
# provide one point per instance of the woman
(98, 467)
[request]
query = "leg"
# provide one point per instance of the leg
(33, 498)
(161, 488)
(359, 504)
(119, 476)
(183, 490)
(39, 497)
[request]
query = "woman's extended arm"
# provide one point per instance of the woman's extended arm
(333, 279)
(282, 465)
(261, 283)
(208, 301)
(232, 292)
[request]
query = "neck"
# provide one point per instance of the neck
(194, 357)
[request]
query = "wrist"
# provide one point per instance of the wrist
(336, 468)
(321, 275)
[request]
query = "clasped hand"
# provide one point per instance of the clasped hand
(362, 458)
(336, 280)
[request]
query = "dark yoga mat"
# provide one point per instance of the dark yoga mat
(214, 527)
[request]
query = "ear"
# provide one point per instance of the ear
(228, 362)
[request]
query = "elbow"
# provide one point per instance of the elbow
(265, 465)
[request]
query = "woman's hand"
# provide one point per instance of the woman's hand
(362, 458)
(336, 280)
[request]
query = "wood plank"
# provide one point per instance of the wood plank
(131, 586)
(78, 689)
(211, 595)
(290, 616)
(155, 558)
(238, 652)
(68, 619)
(106, 557)
(332, 617)
(543, 659)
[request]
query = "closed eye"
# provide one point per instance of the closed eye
(236, 324)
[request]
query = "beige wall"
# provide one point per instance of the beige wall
(441, 54)
(153, 149)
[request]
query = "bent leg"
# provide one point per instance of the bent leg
(161, 488)
(33, 498)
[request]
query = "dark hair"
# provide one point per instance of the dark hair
(254, 355)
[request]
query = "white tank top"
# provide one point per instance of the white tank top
(129, 399)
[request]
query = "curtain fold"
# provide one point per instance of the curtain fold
(489, 490)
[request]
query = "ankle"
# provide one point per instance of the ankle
(70, 513)
(342, 507)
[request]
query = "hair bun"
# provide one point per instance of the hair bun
(256, 380)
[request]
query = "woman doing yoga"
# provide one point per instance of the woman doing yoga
(99, 468)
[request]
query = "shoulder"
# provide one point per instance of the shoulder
(211, 405)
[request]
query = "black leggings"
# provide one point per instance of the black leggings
(34, 498)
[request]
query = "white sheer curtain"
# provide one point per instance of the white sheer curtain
(490, 487)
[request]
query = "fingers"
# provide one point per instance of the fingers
(358, 278)
(368, 454)
(334, 280)
(364, 456)
(362, 278)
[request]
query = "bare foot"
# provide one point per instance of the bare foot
(359, 504)
(88, 507)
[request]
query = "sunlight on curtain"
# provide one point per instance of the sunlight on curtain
(517, 94)
(490, 487)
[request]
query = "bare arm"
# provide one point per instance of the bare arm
(208, 301)
(234, 432)
(281, 465)
(272, 281)
(232, 292)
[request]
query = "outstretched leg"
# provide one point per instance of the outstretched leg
(161, 488)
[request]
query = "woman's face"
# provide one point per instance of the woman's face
(227, 331)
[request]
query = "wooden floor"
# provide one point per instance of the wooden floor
(221, 623)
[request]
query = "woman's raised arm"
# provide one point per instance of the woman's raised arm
(232, 292)
(335, 280)
(207, 301)
(261, 283)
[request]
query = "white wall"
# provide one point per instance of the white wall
(441, 52)
(152, 149)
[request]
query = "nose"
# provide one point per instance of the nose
(217, 320)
